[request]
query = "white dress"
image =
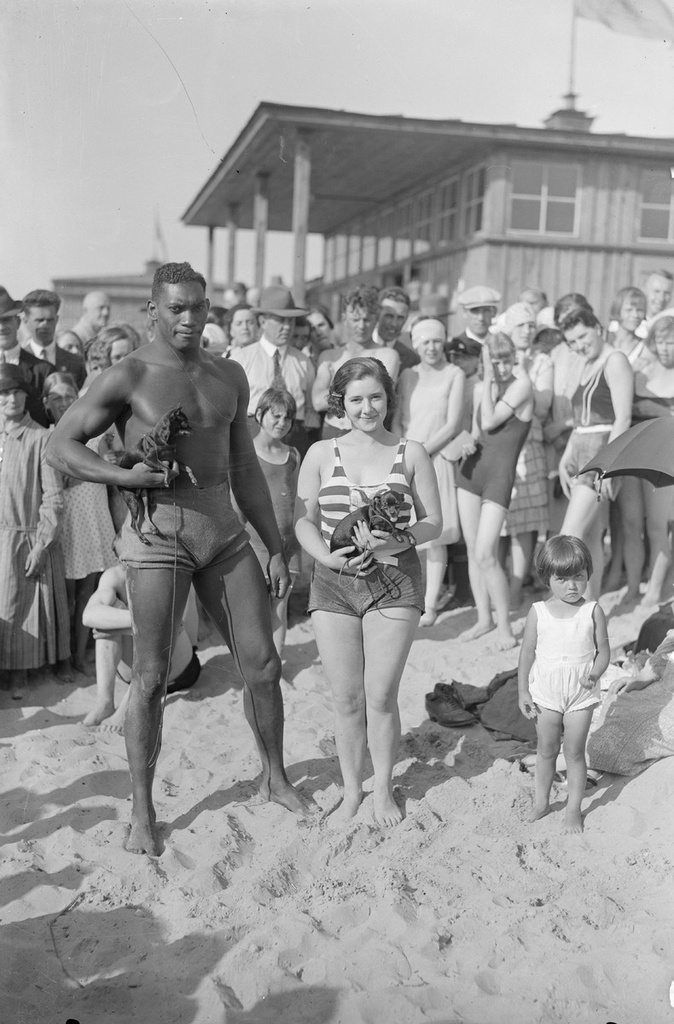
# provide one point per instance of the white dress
(565, 653)
(424, 400)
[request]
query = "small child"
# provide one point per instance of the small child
(564, 653)
(280, 464)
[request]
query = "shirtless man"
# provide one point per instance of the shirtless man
(211, 549)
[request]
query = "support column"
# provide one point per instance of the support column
(232, 215)
(210, 256)
(301, 201)
(260, 220)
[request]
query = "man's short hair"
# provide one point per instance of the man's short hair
(395, 294)
(366, 296)
(41, 297)
(661, 273)
(175, 273)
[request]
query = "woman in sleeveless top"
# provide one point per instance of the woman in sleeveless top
(502, 417)
(366, 598)
(602, 410)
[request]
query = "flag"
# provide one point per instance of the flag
(651, 19)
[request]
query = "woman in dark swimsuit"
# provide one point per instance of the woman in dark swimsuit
(602, 410)
(503, 407)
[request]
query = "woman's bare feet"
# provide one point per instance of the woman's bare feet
(539, 811)
(476, 631)
(346, 811)
(99, 712)
(504, 641)
(386, 810)
(573, 821)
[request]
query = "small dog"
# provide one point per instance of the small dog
(380, 512)
(157, 449)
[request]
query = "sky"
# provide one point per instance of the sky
(114, 111)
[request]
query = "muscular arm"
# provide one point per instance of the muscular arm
(321, 386)
(91, 415)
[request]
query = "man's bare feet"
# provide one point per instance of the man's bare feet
(504, 641)
(386, 810)
(283, 793)
(99, 712)
(143, 838)
(573, 821)
(539, 811)
(346, 811)
(476, 631)
(64, 672)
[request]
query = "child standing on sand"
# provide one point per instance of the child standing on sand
(564, 653)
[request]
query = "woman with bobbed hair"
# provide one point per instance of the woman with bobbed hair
(121, 339)
(602, 411)
(240, 326)
(366, 595)
(502, 411)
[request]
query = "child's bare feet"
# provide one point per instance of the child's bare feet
(573, 821)
(98, 713)
(386, 810)
(346, 811)
(504, 641)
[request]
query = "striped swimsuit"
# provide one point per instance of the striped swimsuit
(383, 585)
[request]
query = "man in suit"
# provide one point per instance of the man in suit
(40, 316)
(478, 309)
(35, 370)
(394, 307)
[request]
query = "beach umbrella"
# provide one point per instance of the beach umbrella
(646, 450)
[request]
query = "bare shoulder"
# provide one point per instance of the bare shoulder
(415, 454)
(330, 356)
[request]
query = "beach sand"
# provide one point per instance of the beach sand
(462, 913)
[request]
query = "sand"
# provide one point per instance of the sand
(462, 913)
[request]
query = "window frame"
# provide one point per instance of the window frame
(544, 198)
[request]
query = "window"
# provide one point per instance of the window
(544, 198)
(657, 207)
(403, 223)
(422, 223)
(474, 188)
(353, 259)
(448, 225)
(385, 242)
(340, 257)
(329, 267)
(369, 253)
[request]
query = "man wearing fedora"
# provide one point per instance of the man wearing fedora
(273, 362)
(40, 316)
(478, 309)
(11, 353)
(201, 539)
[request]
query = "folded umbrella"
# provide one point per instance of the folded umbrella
(646, 451)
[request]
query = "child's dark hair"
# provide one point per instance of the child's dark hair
(563, 556)
(275, 398)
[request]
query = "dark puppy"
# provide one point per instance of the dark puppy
(157, 449)
(381, 512)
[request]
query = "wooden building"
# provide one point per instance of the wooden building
(426, 204)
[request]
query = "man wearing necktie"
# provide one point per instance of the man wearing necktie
(273, 362)
(35, 369)
(40, 317)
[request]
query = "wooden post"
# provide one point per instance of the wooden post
(232, 211)
(301, 201)
(260, 219)
(210, 283)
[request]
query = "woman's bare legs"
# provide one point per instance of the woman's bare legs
(387, 638)
(583, 520)
(339, 639)
(659, 502)
(436, 565)
(631, 510)
(490, 522)
(469, 515)
(521, 553)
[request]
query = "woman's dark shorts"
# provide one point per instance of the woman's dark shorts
(386, 586)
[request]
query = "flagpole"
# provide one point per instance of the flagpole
(571, 95)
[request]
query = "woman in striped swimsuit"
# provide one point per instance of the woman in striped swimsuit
(602, 411)
(366, 599)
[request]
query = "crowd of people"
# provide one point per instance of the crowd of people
(468, 450)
